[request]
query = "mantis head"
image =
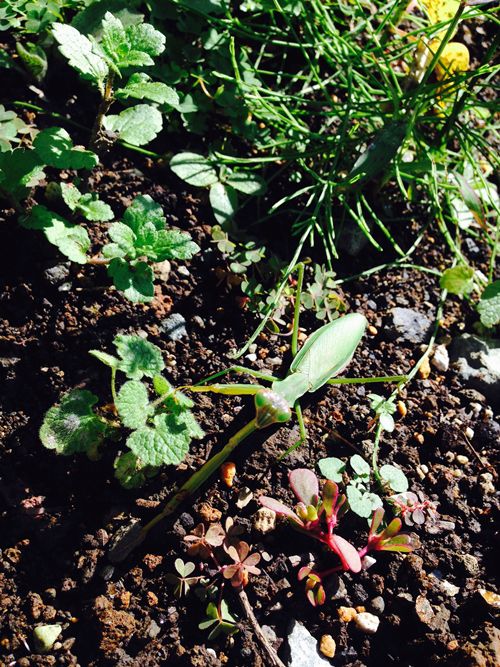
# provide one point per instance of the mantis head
(270, 408)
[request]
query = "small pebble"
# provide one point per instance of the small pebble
(174, 327)
(424, 468)
(418, 437)
(441, 359)
(264, 520)
(425, 369)
(486, 482)
(45, 637)
(251, 357)
(469, 433)
(347, 614)
(463, 460)
(367, 622)
(183, 270)
(372, 330)
(449, 588)
(367, 562)
(401, 408)
(244, 497)
(378, 604)
(327, 646)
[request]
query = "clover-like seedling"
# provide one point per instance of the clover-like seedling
(183, 579)
(154, 432)
(219, 620)
(120, 50)
(245, 564)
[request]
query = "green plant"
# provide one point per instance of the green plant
(183, 579)
(121, 50)
(224, 183)
(318, 513)
(159, 431)
(137, 242)
(10, 127)
(362, 501)
(219, 620)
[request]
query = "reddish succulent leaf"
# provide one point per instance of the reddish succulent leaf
(377, 517)
(278, 507)
(305, 485)
(346, 552)
(393, 528)
(329, 496)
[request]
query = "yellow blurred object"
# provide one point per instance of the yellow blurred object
(439, 11)
(454, 58)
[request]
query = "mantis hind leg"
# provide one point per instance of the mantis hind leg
(302, 431)
(382, 378)
(239, 369)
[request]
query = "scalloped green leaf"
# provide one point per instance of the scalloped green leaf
(165, 444)
(458, 280)
(332, 468)
(489, 305)
(395, 477)
(55, 147)
(136, 125)
(135, 281)
(193, 168)
(72, 240)
(79, 51)
(88, 204)
(138, 357)
(132, 403)
(72, 426)
(140, 86)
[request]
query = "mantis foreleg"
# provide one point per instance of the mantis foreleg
(238, 369)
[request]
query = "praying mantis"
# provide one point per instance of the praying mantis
(324, 354)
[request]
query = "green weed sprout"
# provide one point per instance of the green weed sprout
(159, 431)
(120, 51)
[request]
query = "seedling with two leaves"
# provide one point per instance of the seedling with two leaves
(324, 355)
(159, 431)
(120, 50)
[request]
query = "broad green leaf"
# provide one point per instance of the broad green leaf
(10, 126)
(161, 385)
(247, 182)
(395, 478)
(72, 426)
(72, 240)
(387, 422)
(194, 169)
(224, 202)
(458, 280)
(332, 468)
(360, 466)
(107, 359)
(20, 170)
(132, 404)
(123, 239)
(165, 444)
(140, 86)
(174, 244)
(34, 59)
(89, 205)
(135, 281)
(130, 472)
(136, 125)
(56, 149)
(144, 209)
(138, 357)
(489, 305)
(362, 504)
(80, 54)
(470, 197)
(143, 37)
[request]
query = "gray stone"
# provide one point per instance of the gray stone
(378, 604)
(57, 274)
(174, 327)
(477, 362)
(410, 325)
(302, 645)
(352, 239)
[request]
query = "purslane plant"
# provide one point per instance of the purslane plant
(123, 50)
(318, 513)
(153, 432)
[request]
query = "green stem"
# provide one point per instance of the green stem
(113, 384)
(376, 447)
(106, 102)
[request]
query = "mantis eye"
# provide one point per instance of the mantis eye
(270, 408)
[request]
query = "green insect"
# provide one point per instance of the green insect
(324, 355)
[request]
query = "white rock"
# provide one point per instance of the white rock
(264, 520)
(302, 646)
(367, 562)
(463, 460)
(441, 359)
(251, 357)
(244, 497)
(449, 588)
(469, 432)
(367, 622)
